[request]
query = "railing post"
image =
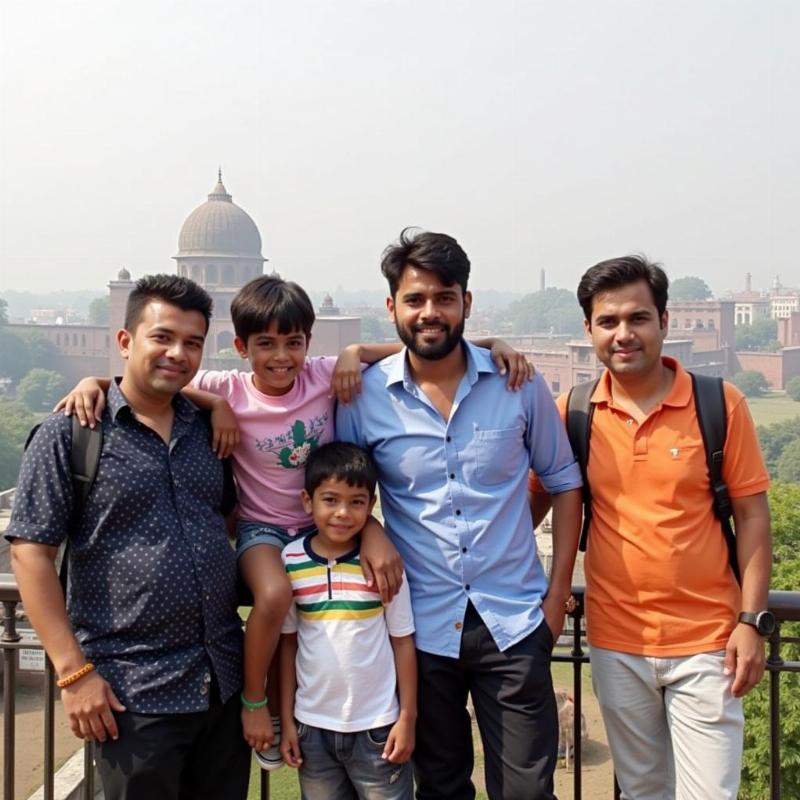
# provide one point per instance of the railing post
(88, 770)
(775, 714)
(10, 636)
(48, 782)
(264, 784)
(577, 697)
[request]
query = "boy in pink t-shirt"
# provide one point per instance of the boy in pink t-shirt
(283, 410)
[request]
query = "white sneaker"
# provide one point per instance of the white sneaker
(271, 758)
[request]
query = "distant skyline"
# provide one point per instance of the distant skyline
(541, 135)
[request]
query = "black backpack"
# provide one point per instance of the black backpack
(84, 456)
(712, 416)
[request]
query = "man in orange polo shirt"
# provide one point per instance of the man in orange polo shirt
(672, 654)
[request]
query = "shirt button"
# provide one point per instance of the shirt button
(452, 476)
(458, 512)
(448, 438)
(463, 549)
(457, 626)
(204, 689)
(466, 587)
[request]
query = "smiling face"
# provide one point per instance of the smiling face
(428, 315)
(626, 330)
(164, 349)
(275, 358)
(340, 512)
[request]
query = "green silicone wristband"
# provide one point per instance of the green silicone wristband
(253, 706)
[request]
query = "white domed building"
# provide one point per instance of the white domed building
(219, 247)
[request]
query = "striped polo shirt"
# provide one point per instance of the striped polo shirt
(346, 678)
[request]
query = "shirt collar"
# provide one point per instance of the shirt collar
(679, 394)
(184, 409)
(479, 360)
(314, 556)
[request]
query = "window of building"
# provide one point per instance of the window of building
(687, 323)
(583, 377)
(711, 324)
(74, 339)
(673, 323)
(698, 324)
(108, 341)
(555, 385)
(83, 340)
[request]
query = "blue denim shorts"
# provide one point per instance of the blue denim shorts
(252, 533)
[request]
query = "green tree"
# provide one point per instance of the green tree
(3, 312)
(15, 422)
(774, 438)
(41, 389)
(98, 311)
(15, 360)
(551, 309)
(761, 335)
(793, 389)
(376, 329)
(751, 382)
(785, 510)
(689, 288)
(789, 463)
(42, 353)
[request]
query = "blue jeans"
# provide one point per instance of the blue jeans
(348, 766)
(250, 533)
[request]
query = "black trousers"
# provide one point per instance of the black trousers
(200, 756)
(515, 707)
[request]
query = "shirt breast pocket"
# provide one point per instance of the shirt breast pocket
(498, 455)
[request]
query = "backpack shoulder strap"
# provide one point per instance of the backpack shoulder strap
(84, 458)
(712, 416)
(579, 429)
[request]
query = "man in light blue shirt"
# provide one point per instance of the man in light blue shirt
(453, 448)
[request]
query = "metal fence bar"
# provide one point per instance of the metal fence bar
(10, 636)
(48, 781)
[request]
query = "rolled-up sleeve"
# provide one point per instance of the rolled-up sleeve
(552, 458)
(44, 498)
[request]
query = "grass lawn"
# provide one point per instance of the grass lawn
(774, 407)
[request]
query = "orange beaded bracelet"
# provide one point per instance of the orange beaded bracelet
(76, 676)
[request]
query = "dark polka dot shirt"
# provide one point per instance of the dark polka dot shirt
(152, 580)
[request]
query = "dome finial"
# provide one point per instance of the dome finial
(220, 192)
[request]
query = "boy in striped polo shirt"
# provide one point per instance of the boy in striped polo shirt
(348, 665)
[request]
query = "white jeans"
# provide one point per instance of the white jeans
(674, 729)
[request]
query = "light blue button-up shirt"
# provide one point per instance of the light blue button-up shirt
(454, 493)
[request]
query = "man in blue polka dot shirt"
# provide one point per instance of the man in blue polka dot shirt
(148, 654)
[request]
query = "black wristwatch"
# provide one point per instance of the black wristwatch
(762, 621)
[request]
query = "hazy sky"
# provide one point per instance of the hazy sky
(540, 134)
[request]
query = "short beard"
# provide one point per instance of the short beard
(432, 352)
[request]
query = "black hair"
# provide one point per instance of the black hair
(437, 252)
(341, 461)
(617, 272)
(270, 299)
(172, 289)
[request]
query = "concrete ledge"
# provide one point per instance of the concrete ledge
(68, 784)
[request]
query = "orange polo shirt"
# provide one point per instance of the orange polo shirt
(658, 582)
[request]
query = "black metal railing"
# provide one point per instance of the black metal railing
(785, 606)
